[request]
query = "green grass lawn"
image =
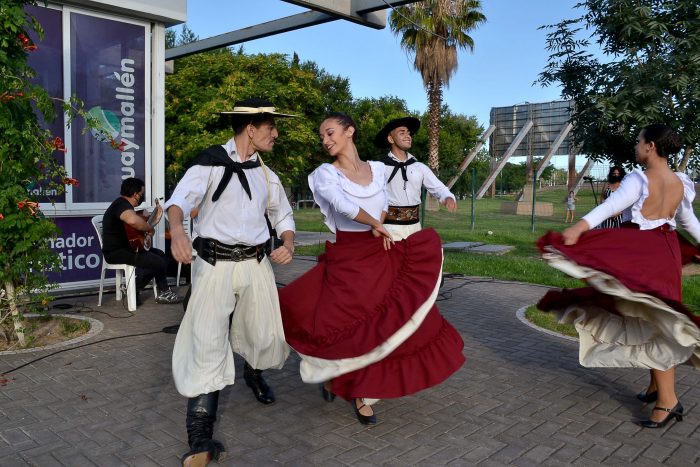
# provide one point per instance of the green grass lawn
(523, 264)
(549, 321)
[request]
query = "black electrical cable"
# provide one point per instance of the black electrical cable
(444, 295)
(80, 307)
(84, 345)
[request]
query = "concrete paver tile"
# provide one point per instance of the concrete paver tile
(385, 456)
(43, 460)
(520, 399)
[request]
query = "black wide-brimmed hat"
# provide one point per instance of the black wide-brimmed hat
(412, 123)
(248, 109)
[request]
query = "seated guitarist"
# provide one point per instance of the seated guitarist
(117, 249)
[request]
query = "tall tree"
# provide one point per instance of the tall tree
(371, 115)
(186, 36)
(434, 30)
(207, 83)
(650, 73)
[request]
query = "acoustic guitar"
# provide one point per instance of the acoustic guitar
(138, 239)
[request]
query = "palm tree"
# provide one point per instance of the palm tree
(433, 30)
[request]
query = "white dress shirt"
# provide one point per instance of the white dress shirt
(418, 175)
(234, 217)
(629, 199)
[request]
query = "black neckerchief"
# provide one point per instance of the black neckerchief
(398, 165)
(217, 156)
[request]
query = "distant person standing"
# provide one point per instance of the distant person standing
(405, 178)
(615, 176)
(570, 207)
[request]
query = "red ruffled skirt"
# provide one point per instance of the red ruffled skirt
(365, 318)
(631, 315)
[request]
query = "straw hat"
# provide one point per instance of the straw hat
(244, 111)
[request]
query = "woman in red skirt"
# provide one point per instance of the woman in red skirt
(632, 315)
(364, 319)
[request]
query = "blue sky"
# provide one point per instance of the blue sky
(509, 51)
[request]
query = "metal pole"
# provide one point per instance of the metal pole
(473, 193)
(595, 197)
(534, 197)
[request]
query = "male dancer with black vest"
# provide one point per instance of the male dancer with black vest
(405, 177)
(234, 304)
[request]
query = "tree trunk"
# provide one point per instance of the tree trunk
(686, 158)
(16, 318)
(571, 182)
(434, 106)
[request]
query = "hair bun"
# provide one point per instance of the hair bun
(673, 142)
(667, 140)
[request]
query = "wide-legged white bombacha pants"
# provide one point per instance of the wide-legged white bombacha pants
(204, 346)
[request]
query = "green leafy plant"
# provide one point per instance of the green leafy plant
(27, 159)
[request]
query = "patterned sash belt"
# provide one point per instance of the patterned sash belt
(402, 215)
(211, 251)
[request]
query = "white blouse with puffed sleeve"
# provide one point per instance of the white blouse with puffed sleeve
(340, 199)
(629, 199)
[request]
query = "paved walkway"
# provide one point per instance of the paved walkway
(521, 399)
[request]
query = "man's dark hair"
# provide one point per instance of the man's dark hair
(130, 186)
(240, 123)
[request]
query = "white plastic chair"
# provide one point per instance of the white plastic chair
(187, 225)
(126, 271)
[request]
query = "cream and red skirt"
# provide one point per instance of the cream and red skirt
(631, 314)
(366, 319)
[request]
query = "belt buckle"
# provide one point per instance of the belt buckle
(237, 254)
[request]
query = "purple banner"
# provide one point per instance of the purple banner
(108, 74)
(47, 61)
(79, 249)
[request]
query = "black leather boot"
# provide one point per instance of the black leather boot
(253, 378)
(201, 415)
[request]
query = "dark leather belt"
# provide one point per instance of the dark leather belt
(211, 251)
(402, 215)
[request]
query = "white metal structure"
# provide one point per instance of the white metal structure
(370, 13)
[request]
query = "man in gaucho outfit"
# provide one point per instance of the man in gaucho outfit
(405, 177)
(234, 306)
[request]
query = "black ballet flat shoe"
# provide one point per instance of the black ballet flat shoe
(676, 412)
(647, 397)
(254, 380)
(327, 395)
(364, 419)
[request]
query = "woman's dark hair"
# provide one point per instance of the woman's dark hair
(345, 121)
(620, 170)
(667, 141)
